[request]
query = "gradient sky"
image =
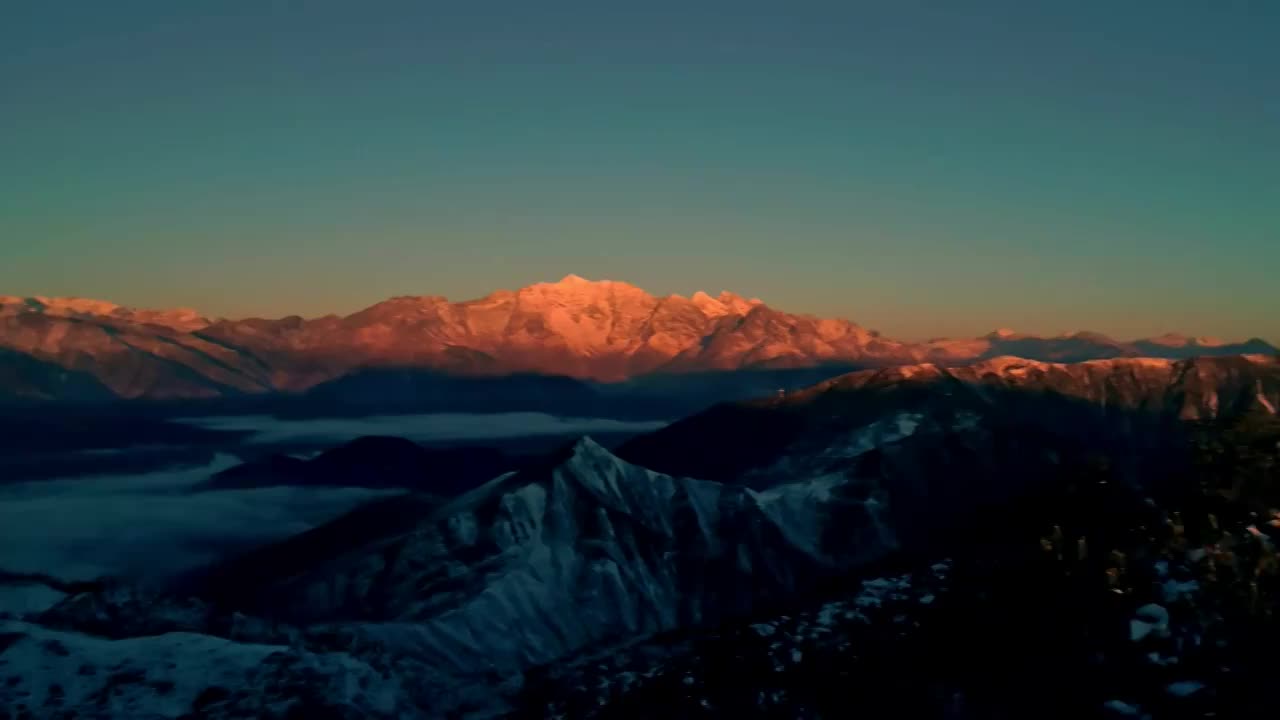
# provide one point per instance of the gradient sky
(925, 168)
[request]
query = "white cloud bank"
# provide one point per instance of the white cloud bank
(151, 526)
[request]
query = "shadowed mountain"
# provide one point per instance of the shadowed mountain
(26, 379)
(599, 331)
(372, 462)
(574, 550)
(660, 396)
(1103, 401)
(1077, 347)
(247, 580)
(407, 390)
(1180, 347)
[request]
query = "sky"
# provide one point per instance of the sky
(923, 168)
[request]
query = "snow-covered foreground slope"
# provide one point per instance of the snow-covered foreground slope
(48, 673)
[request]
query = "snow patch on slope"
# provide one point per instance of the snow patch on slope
(139, 677)
(1262, 398)
(795, 507)
(164, 676)
(806, 463)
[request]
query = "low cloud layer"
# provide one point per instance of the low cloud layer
(420, 428)
(151, 526)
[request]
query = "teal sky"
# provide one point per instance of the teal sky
(924, 168)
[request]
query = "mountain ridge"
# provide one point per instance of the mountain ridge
(601, 331)
(1116, 399)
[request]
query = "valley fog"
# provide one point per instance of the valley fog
(151, 526)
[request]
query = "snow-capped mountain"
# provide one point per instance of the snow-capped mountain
(594, 330)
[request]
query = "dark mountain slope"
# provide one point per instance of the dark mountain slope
(25, 379)
(1130, 401)
(373, 462)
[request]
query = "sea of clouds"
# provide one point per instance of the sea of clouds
(151, 526)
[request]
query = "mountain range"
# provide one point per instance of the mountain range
(439, 606)
(596, 331)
